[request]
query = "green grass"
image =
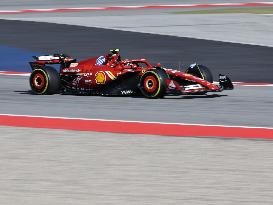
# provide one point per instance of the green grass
(254, 10)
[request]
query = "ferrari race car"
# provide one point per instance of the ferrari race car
(95, 76)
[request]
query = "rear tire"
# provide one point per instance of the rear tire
(153, 83)
(45, 81)
(201, 71)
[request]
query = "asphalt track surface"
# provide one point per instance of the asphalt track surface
(250, 29)
(237, 107)
(242, 62)
(39, 166)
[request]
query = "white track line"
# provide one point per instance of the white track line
(10, 73)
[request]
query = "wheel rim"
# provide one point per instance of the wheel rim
(150, 84)
(39, 81)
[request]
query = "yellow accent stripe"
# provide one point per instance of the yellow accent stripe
(111, 75)
(159, 85)
(201, 72)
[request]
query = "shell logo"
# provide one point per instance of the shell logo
(100, 77)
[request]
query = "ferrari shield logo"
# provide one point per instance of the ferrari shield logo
(100, 77)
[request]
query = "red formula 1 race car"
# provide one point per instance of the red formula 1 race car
(101, 76)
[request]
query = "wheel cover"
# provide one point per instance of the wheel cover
(39, 81)
(150, 84)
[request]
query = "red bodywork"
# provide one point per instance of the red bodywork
(88, 74)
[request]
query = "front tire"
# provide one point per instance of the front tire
(153, 84)
(202, 72)
(45, 81)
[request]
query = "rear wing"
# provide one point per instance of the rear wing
(41, 61)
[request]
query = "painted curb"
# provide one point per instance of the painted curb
(136, 127)
(136, 7)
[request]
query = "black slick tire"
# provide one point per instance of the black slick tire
(45, 81)
(153, 83)
(201, 71)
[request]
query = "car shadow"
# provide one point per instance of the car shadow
(25, 92)
(202, 96)
(30, 92)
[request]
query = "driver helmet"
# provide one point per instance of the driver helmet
(115, 51)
